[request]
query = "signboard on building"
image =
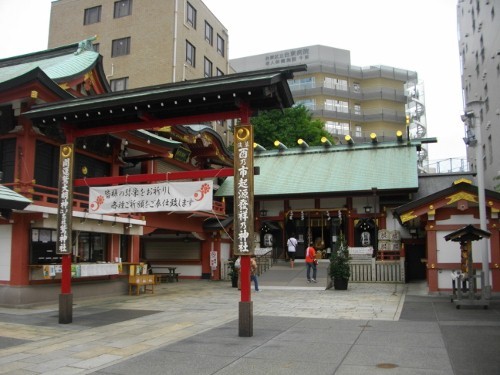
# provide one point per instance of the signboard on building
(182, 154)
(65, 199)
(167, 196)
(243, 190)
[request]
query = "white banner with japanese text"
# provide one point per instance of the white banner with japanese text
(167, 196)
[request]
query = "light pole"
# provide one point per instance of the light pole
(473, 117)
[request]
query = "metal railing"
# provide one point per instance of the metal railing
(449, 165)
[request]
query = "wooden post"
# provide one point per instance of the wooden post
(64, 230)
(244, 214)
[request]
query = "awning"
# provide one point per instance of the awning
(271, 225)
(467, 233)
(216, 224)
(11, 200)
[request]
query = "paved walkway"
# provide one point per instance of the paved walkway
(191, 327)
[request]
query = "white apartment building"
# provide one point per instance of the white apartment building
(479, 45)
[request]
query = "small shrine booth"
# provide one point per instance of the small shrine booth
(445, 212)
(465, 281)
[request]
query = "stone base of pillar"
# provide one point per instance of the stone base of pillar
(65, 308)
(246, 319)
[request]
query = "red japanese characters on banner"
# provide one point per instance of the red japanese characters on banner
(168, 196)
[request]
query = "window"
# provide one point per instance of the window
(208, 68)
(92, 15)
(120, 47)
(334, 127)
(221, 45)
(308, 103)
(209, 33)
(91, 247)
(119, 84)
(302, 83)
(7, 158)
(123, 8)
(46, 170)
(96, 47)
(335, 83)
(484, 157)
(190, 54)
(190, 15)
(219, 72)
(358, 131)
(490, 149)
(336, 105)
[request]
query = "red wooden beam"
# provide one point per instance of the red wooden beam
(171, 176)
(153, 124)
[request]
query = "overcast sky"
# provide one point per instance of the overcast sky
(418, 35)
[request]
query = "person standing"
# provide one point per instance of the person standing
(237, 267)
(311, 263)
(292, 248)
(253, 273)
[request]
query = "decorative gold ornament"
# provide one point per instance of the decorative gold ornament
(462, 195)
(66, 151)
(408, 216)
(242, 134)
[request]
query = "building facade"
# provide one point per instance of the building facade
(350, 100)
(145, 44)
(479, 47)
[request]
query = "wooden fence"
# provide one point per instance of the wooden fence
(383, 271)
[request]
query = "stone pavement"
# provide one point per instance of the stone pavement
(191, 327)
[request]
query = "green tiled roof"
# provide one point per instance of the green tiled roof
(58, 63)
(337, 169)
(9, 199)
(55, 67)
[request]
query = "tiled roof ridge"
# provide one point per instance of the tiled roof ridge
(76, 48)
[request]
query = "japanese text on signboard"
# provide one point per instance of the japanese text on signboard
(65, 201)
(168, 196)
(243, 190)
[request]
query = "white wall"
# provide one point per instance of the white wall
(5, 251)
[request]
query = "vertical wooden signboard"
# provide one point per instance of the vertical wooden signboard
(243, 219)
(64, 226)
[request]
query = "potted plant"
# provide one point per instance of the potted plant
(339, 269)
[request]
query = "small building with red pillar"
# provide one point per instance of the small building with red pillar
(374, 194)
(447, 211)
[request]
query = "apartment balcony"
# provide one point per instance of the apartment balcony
(356, 72)
(371, 115)
(352, 93)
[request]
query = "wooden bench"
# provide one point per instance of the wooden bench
(139, 281)
(163, 276)
(173, 276)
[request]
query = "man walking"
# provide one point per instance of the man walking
(292, 248)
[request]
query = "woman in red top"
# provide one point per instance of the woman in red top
(311, 263)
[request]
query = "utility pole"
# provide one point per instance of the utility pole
(473, 118)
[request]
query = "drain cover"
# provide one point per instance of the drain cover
(387, 365)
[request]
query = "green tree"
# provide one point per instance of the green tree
(288, 127)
